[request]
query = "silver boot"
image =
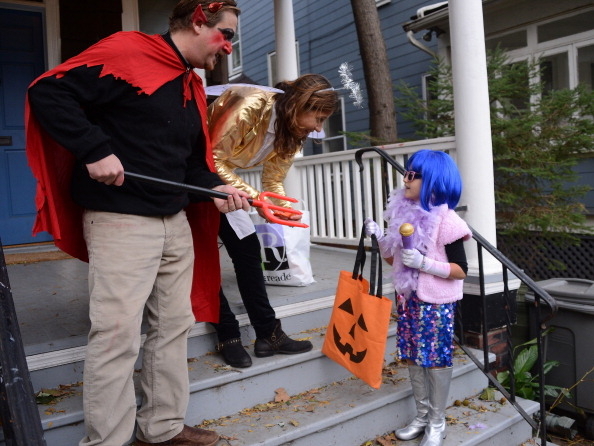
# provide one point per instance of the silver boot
(438, 381)
(419, 388)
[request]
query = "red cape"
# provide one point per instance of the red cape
(155, 64)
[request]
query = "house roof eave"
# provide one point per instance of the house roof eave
(436, 15)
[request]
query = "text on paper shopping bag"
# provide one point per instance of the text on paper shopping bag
(274, 250)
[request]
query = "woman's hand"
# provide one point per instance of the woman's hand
(277, 213)
(287, 215)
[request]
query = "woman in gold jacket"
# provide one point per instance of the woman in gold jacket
(249, 127)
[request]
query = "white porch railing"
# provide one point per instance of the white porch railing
(330, 185)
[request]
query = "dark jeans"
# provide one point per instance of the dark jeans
(247, 262)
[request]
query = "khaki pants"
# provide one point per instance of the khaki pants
(137, 262)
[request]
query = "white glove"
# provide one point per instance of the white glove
(414, 259)
(372, 228)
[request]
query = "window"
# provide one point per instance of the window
(565, 27)
(334, 140)
(508, 42)
(585, 61)
(564, 48)
(428, 93)
(554, 72)
(272, 73)
(234, 59)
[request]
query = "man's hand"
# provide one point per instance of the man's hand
(237, 199)
(108, 170)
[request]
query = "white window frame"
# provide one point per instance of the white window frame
(235, 71)
(271, 61)
(568, 44)
(325, 148)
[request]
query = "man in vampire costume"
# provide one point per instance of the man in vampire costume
(132, 102)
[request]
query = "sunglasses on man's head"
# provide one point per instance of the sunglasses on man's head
(411, 175)
(227, 33)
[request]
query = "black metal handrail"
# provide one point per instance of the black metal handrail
(21, 421)
(540, 297)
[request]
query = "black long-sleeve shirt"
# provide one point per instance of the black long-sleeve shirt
(155, 135)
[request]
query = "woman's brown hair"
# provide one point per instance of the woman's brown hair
(310, 92)
(181, 17)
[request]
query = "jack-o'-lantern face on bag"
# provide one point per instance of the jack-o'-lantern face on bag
(342, 341)
(358, 329)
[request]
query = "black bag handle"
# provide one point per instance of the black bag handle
(376, 269)
(360, 258)
(376, 264)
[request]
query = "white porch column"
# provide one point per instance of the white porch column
(284, 32)
(475, 160)
(286, 68)
(472, 123)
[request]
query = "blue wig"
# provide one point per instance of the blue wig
(441, 179)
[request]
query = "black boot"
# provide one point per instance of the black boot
(279, 342)
(234, 353)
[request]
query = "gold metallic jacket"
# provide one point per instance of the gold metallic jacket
(238, 121)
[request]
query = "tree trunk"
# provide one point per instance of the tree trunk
(382, 112)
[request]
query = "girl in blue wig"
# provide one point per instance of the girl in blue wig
(428, 273)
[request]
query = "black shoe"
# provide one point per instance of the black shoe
(234, 353)
(279, 342)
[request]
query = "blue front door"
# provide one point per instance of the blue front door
(21, 61)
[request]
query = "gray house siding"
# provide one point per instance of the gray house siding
(407, 63)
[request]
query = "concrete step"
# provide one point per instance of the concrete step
(299, 311)
(219, 391)
(349, 413)
(345, 412)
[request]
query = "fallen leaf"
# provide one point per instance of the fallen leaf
(281, 396)
(386, 440)
(488, 394)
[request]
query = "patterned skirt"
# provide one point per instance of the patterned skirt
(426, 332)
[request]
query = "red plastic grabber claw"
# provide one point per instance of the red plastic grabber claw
(268, 209)
(223, 195)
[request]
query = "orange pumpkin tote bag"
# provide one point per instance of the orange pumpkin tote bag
(358, 328)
